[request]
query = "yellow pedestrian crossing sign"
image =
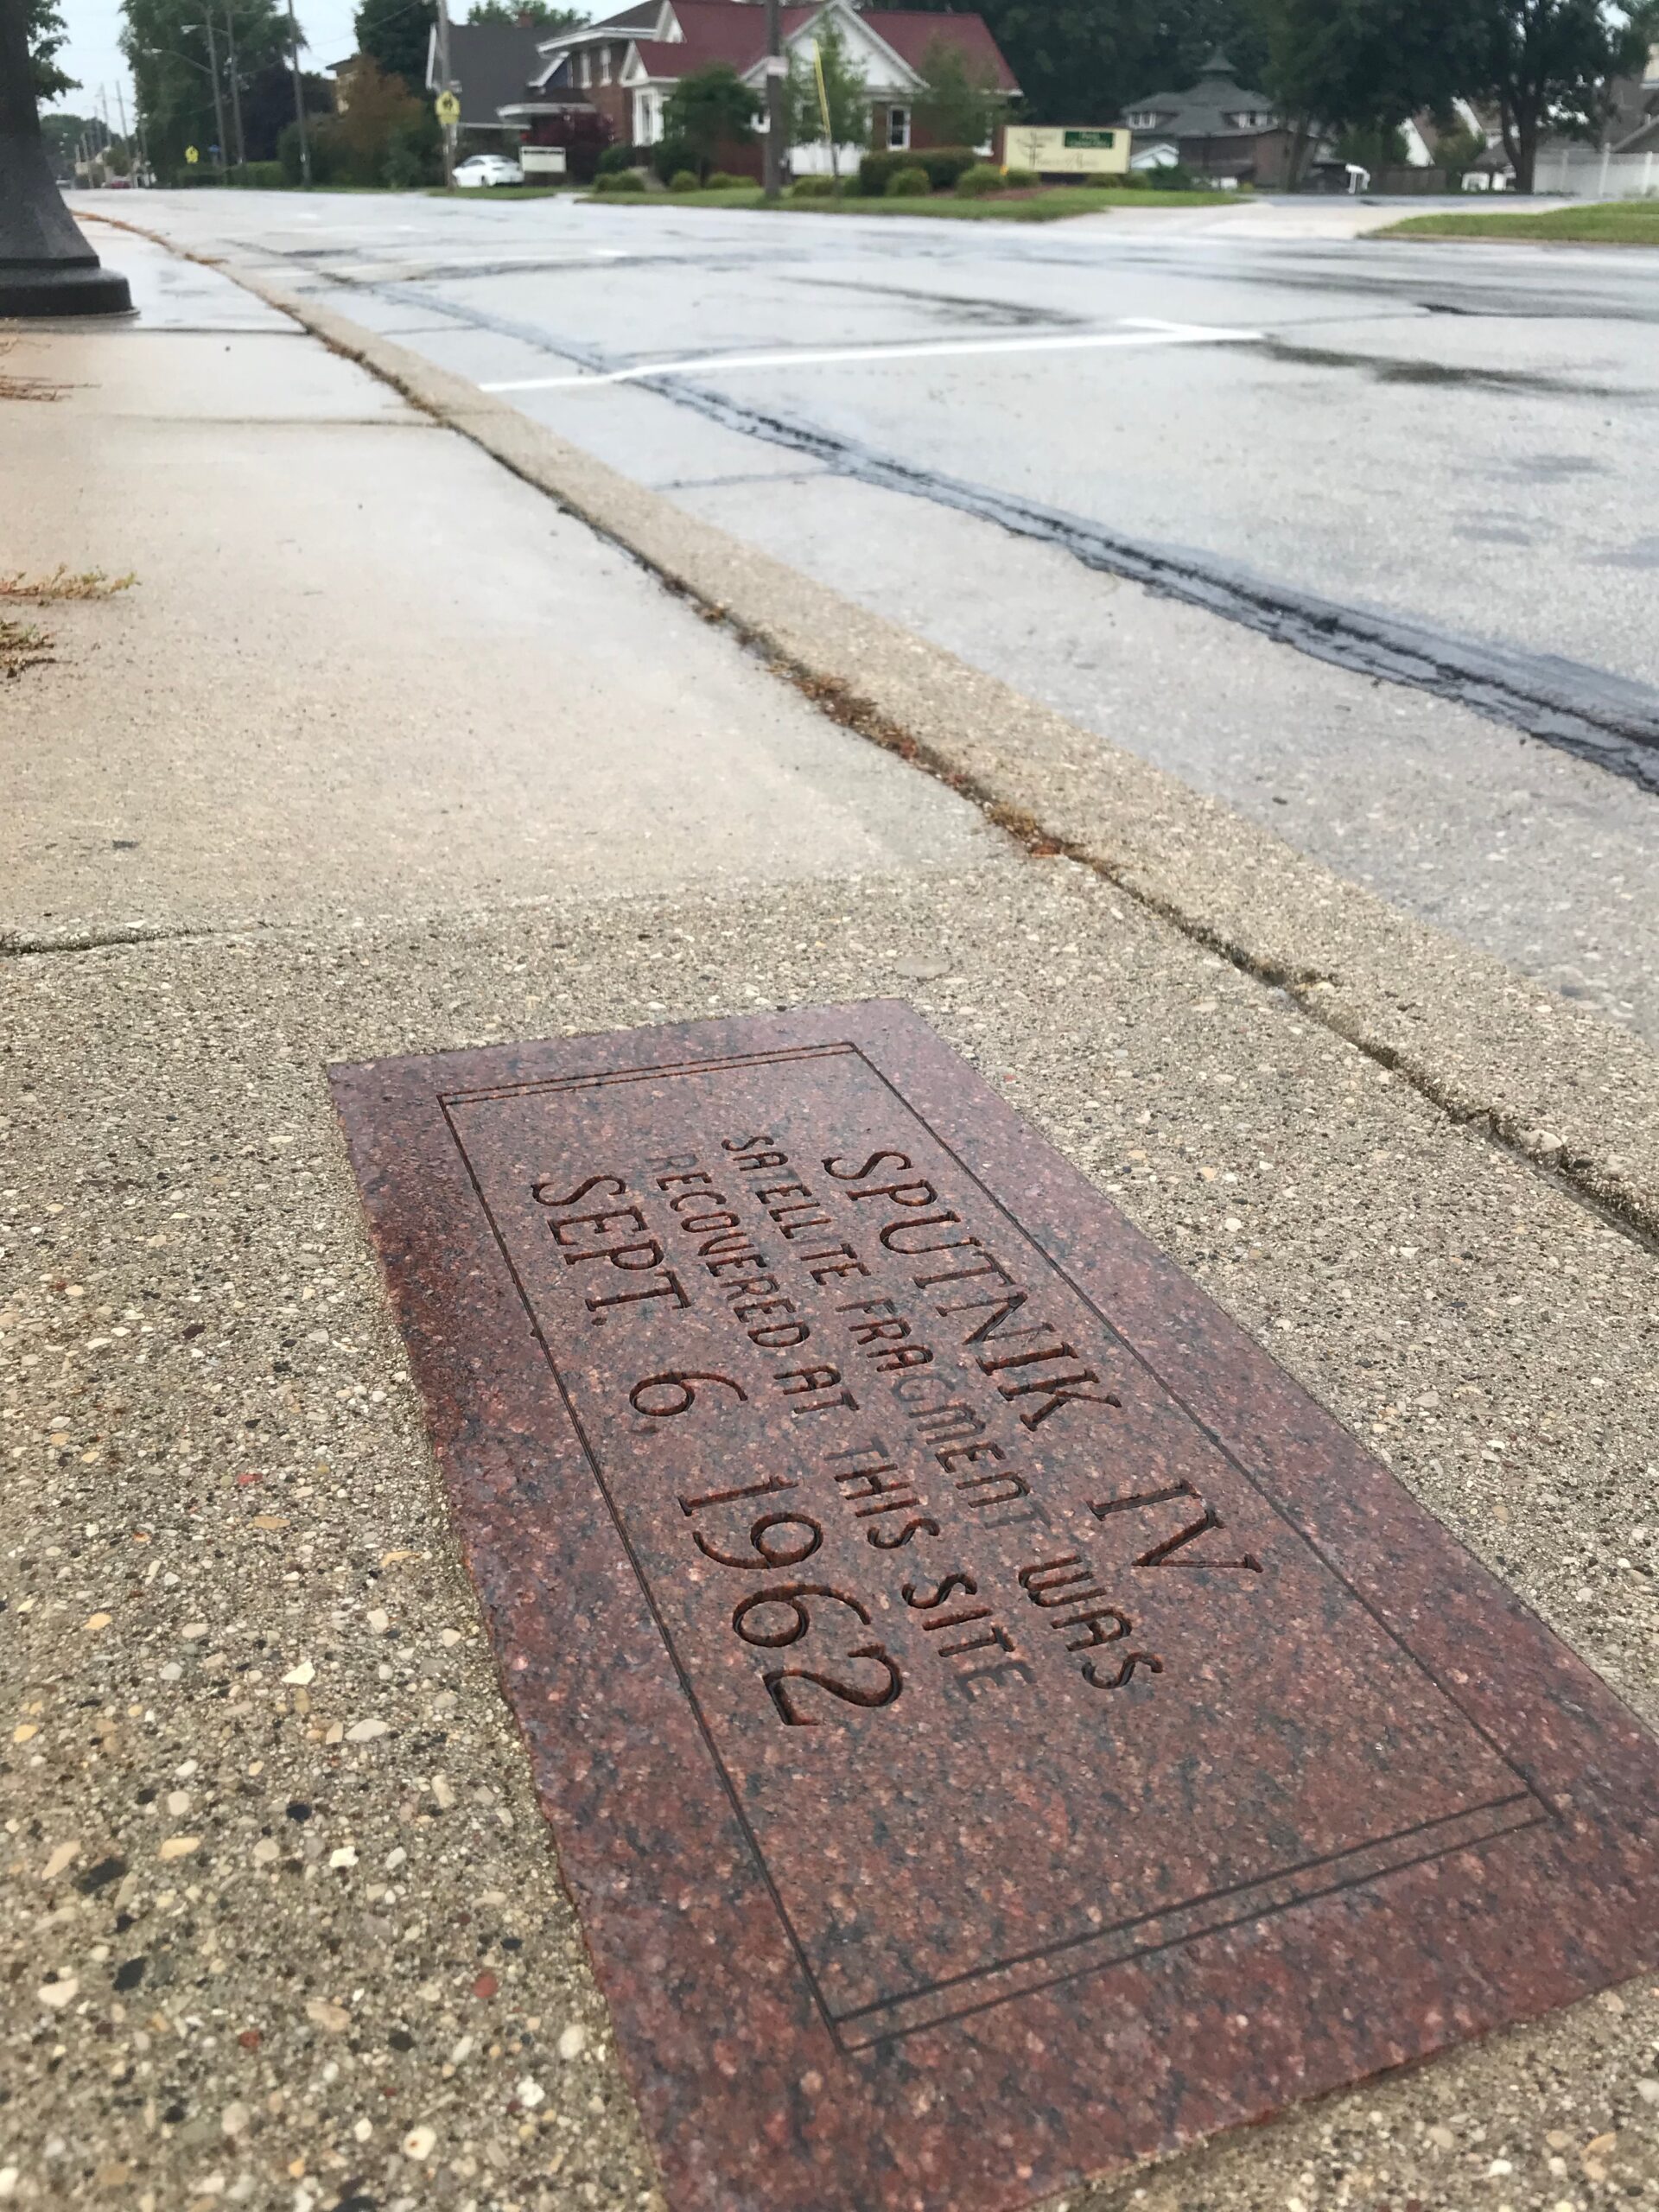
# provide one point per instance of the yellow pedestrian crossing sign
(192, 155)
(448, 108)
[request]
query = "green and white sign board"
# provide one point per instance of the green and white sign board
(1058, 152)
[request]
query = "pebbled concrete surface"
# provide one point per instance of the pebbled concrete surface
(233, 1597)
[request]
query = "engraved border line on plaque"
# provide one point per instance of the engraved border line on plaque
(911, 2011)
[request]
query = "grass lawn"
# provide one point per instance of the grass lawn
(1048, 204)
(496, 191)
(1607, 222)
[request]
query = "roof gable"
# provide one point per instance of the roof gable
(911, 31)
(889, 45)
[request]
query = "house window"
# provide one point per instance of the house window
(587, 70)
(898, 129)
(604, 64)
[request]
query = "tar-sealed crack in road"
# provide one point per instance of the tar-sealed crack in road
(1610, 719)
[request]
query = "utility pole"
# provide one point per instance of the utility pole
(777, 99)
(213, 71)
(235, 93)
(126, 142)
(299, 97)
(444, 85)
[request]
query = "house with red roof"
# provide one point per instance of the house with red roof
(627, 65)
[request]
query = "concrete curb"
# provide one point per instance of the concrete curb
(1576, 1097)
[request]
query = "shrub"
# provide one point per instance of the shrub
(1019, 180)
(723, 180)
(620, 180)
(974, 183)
(414, 153)
(615, 159)
(260, 176)
(670, 156)
(1174, 179)
(813, 187)
(911, 183)
(684, 180)
(943, 165)
(708, 110)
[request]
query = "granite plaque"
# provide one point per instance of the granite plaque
(995, 1726)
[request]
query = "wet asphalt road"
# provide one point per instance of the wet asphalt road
(982, 427)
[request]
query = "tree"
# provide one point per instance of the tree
(959, 101)
(376, 109)
(842, 92)
(529, 15)
(1457, 149)
(1367, 65)
(396, 36)
(166, 49)
(267, 105)
(1085, 60)
(62, 134)
(1545, 65)
(710, 108)
(43, 24)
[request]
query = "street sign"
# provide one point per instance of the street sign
(448, 108)
(192, 155)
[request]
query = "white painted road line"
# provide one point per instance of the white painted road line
(1144, 331)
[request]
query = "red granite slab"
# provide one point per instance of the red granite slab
(994, 1724)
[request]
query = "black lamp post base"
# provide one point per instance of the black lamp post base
(61, 288)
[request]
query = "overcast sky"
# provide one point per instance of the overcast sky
(92, 50)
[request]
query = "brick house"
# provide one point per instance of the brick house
(627, 65)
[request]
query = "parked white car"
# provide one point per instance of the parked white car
(484, 169)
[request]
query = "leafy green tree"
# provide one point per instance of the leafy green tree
(1545, 65)
(709, 109)
(62, 135)
(167, 51)
(844, 94)
(1085, 60)
(267, 105)
(43, 24)
(395, 34)
(1457, 149)
(530, 15)
(1366, 65)
(959, 101)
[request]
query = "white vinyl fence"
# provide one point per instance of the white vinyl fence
(1581, 173)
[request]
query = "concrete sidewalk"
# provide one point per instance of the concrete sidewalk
(382, 753)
